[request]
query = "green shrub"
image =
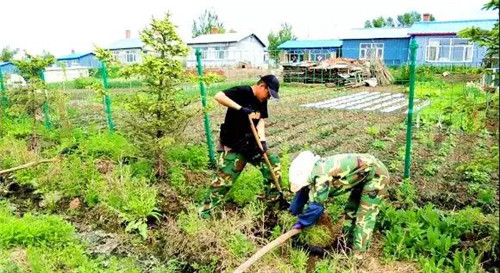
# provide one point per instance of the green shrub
(32, 230)
(132, 198)
(177, 179)
(122, 83)
(316, 235)
(372, 130)
(73, 258)
(84, 83)
(378, 144)
(190, 223)
(110, 145)
(423, 233)
(298, 260)
(70, 176)
(194, 157)
(407, 194)
(239, 245)
(248, 185)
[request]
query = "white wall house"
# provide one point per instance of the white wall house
(227, 50)
(128, 50)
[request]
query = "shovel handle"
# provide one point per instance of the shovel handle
(257, 139)
(255, 257)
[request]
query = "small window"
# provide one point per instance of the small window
(371, 51)
(221, 52)
(449, 50)
(130, 56)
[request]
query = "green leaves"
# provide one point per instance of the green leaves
(485, 37)
(159, 114)
(32, 230)
(32, 66)
(283, 35)
(132, 198)
(206, 22)
(429, 236)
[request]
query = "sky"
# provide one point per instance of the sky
(59, 26)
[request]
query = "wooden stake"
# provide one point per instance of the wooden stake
(255, 257)
(27, 165)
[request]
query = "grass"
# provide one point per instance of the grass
(113, 178)
(47, 243)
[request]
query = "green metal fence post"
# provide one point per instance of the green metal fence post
(206, 120)
(107, 98)
(45, 107)
(3, 89)
(409, 120)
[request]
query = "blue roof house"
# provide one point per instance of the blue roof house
(439, 44)
(388, 44)
(8, 68)
(85, 59)
(309, 50)
(128, 50)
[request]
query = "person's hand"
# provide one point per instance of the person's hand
(246, 110)
(297, 225)
(264, 145)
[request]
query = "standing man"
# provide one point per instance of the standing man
(237, 145)
(314, 179)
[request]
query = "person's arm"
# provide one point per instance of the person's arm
(221, 98)
(315, 208)
(261, 130)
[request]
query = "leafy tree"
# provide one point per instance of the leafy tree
(403, 20)
(7, 54)
(208, 20)
(484, 37)
(283, 35)
(31, 67)
(409, 18)
(31, 99)
(390, 22)
(159, 111)
(380, 22)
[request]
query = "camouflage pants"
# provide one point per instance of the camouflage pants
(230, 165)
(363, 206)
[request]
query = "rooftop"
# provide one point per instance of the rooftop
(311, 44)
(221, 38)
(452, 27)
(375, 33)
(74, 56)
(126, 43)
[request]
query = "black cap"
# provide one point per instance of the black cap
(273, 84)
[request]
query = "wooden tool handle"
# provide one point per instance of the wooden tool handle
(256, 136)
(255, 257)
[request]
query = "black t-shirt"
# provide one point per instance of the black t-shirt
(236, 123)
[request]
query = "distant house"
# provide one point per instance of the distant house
(85, 59)
(439, 44)
(128, 50)
(229, 49)
(388, 44)
(8, 68)
(309, 50)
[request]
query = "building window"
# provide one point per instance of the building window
(449, 50)
(221, 52)
(130, 56)
(371, 51)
